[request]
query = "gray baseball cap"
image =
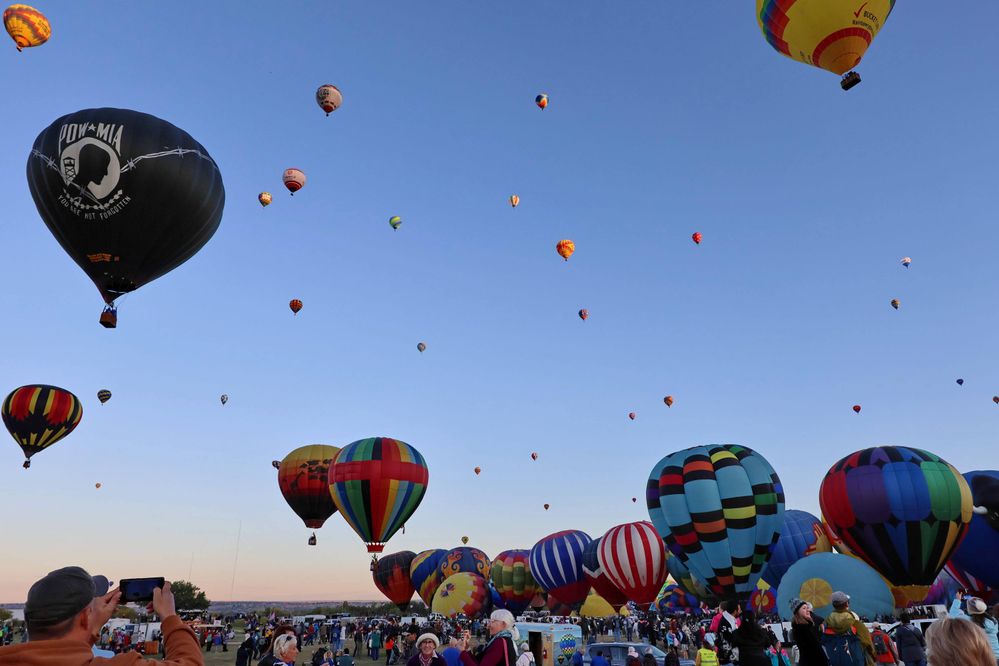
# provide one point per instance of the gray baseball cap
(61, 594)
(839, 598)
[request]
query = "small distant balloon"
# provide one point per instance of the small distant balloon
(329, 98)
(478, 470)
(395, 221)
(514, 200)
(906, 261)
(265, 199)
(26, 26)
(542, 101)
(631, 415)
(295, 305)
(895, 303)
(995, 399)
(960, 382)
(97, 485)
(534, 455)
(565, 248)
(634, 499)
(294, 179)
(422, 347)
(856, 408)
(584, 314)
(547, 506)
(668, 400)
(464, 539)
(276, 464)
(104, 395)
(697, 236)
(224, 398)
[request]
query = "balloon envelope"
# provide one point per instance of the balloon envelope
(902, 510)
(511, 578)
(128, 196)
(802, 534)
(719, 508)
(461, 594)
(978, 554)
(815, 578)
(302, 477)
(425, 573)
(465, 560)
(557, 565)
(634, 559)
(26, 26)
(377, 484)
(595, 573)
(391, 576)
(38, 415)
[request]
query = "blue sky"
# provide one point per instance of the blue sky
(664, 119)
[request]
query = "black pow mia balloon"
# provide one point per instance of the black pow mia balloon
(127, 195)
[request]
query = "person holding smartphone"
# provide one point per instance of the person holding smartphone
(64, 615)
(500, 650)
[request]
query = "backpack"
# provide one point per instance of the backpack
(880, 644)
(843, 649)
(318, 656)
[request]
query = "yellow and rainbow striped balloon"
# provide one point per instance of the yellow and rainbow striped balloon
(26, 26)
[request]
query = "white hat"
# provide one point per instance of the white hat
(976, 606)
(429, 637)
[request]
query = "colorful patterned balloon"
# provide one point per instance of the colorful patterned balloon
(634, 559)
(377, 484)
(719, 508)
(462, 594)
(104, 395)
(557, 565)
(37, 416)
(595, 573)
(303, 479)
(511, 577)
(978, 554)
(673, 599)
(801, 535)
(966, 581)
(763, 600)
(26, 26)
(902, 510)
(391, 576)
(465, 560)
(815, 578)
(425, 573)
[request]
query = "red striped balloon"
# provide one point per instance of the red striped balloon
(634, 558)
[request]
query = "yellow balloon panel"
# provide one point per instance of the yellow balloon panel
(829, 34)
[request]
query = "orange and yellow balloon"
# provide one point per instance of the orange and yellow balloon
(26, 26)
(565, 248)
(830, 34)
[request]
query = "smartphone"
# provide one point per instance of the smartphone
(139, 589)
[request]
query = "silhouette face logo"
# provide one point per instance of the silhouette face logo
(90, 169)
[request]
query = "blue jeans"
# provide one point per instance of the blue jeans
(374, 653)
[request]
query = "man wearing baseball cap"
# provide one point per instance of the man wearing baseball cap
(64, 614)
(845, 636)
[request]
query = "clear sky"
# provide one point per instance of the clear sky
(665, 118)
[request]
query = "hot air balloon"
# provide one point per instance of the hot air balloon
(97, 485)
(104, 395)
(557, 565)
(995, 399)
(395, 221)
(696, 237)
(688, 581)
(295, 305)
(631, 415)
(377, 484)
(634, 559)
(421, 347)
(514, 200)
(814, 579)
(128, 196)
(462, 594)
(762, 600)
(511, 577)
(37, 416)
(302, 478)
(597, 576)
(329, 98)
(425, 573)
(465, 560)
(547, 506)
(478, 470)
(542, 101)
(719, 508)
(960, 382)
(673, 599)
(565, 248)
(391, 576)
(802, 534)
(534, 455)
(276, 464)
(293, 179)
(464, 539)
(596, 606)
(830, 35)
(668, 400)
(224, 398)
(902, 510)
(906, 261)
(965, 581)
(265, 199)
(26, 26)
(634, 500)
(895, 303)
(856, 409)
(976, 555)
(584, 314)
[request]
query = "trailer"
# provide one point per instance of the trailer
(551, 643)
